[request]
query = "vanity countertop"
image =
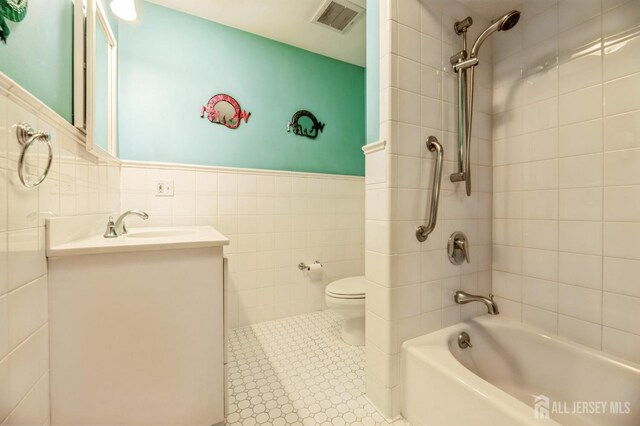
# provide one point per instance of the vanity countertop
(139, 239)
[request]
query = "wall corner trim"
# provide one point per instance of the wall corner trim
(374, 147)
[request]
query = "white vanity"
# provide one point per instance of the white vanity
(136, 324)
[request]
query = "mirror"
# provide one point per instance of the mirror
(224, 109)
(95, 71)
(226, 112)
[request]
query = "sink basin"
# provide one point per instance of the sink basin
(69, 236)
(160, 233)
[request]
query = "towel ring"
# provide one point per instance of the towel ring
(27, 137)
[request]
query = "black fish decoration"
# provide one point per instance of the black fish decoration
(297, 128)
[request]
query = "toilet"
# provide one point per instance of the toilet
(347, 297)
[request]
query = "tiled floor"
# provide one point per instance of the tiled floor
(297, 371)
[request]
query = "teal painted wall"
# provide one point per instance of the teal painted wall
(39, 54)
(373, 70)
(171, 63)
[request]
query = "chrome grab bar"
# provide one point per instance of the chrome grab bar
(423, 231)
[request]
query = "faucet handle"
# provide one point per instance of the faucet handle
(458, 248)
(111, 229)
(461, 244)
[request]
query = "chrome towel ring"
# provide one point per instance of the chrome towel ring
(27, 137)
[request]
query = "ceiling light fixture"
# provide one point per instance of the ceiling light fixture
(124, 9)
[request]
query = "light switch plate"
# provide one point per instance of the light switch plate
(163, 188)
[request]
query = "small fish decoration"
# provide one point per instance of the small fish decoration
(297, 128)
(213, 114)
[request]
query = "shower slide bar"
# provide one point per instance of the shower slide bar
(464, 64)
(423, 231)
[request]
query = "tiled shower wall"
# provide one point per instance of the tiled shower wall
(274, 220)
(567, 172)
(411, 284)
(566, 253)
(78, 184)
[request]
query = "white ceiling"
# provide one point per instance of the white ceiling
(287, 21)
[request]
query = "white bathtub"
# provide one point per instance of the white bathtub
(495, 381)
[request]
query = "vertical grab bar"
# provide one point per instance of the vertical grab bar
(423, 231)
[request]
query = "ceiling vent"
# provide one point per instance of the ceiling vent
(339, 15)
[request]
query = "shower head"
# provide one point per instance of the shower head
(509, 20)
(504, 23)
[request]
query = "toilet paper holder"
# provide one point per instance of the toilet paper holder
(304, 267)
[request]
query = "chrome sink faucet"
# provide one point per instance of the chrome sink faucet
(462, 297)
(118, 228)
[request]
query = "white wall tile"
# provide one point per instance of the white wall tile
(580, 138)
(540, 175)
(562, 222)
(574, 12)
(620, 240)
(620, 343)
(540, 264)
(621, 276)
(26, 257)
(408, 42)
(3, 263)
(622, 203)
(580, 302)
(543, 319)
(4, 328)
(622, 131)
(540, 204)
(28, 310)
(622, 167)
(580, 237)
(34, 409)
(616, 96)
(27, 364)
(581, 171)
(579, 269)
(580, 40)
(409, 75)
(589, 100)
(540, 234)
(621, 312)
(621, 18)
(540, 293)
(584, 332)
(619, 58)
(540, 27)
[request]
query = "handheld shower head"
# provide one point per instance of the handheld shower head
(504, 23)
(509, 20)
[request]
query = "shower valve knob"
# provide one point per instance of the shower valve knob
(458, 248)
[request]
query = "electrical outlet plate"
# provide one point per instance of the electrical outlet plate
(163, 188)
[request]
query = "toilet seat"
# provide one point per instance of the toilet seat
(347, 288)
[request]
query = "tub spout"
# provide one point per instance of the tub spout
(462, 297)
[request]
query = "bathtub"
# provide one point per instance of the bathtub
(514, 375)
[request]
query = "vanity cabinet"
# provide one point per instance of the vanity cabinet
(137, 334)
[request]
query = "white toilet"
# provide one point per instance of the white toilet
(347, 297)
